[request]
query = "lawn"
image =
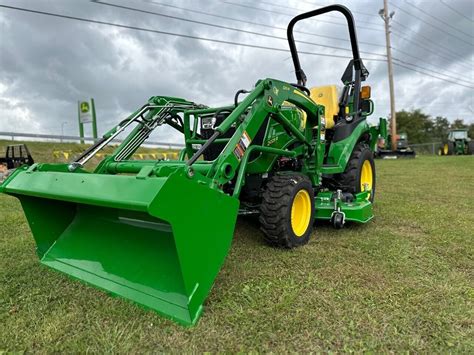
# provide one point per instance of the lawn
(403, 282)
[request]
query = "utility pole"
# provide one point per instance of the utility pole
(386, 17)
(81, 125)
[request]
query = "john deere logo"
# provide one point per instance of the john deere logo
(84, 107)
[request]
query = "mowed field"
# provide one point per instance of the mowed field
(403, 282)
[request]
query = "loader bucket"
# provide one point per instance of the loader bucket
(158, 241)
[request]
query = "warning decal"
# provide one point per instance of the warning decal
(245, 139)
(242, 146)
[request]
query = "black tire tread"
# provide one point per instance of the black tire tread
(277, 198)
(348, 181)
(450, 148)
(471, 147)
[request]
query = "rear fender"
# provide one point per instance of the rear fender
(340, 151)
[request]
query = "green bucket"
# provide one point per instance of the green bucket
(158, 241)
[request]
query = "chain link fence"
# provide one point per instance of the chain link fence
(426, 148)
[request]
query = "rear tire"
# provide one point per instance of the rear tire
(287, 211)
(360, 168)
(471, 147)
(450, 146)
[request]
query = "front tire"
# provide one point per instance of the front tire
(287, 211)
(360, 170)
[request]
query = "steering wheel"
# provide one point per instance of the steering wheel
(302, 88)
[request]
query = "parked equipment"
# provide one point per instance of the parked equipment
(457, 143)
(385, 151)
(16, 155)
(157, 232)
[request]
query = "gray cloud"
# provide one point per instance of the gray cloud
(47, 64)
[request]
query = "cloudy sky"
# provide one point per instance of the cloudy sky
(48, 63)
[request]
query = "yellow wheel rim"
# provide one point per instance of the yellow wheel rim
(300, 213)
(366, 176)
(445, 149)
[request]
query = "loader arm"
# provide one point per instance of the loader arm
(264, 101)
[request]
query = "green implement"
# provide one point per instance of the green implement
(158, 231)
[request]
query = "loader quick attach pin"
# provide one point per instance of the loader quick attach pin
(127, 226)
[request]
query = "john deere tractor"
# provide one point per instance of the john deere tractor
(457, 143)
(157, 231)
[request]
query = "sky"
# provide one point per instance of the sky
(48, 63)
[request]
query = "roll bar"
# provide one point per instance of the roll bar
(361, 72)
(300, 75)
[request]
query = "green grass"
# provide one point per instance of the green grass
(403, 282)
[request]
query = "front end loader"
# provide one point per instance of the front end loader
(157, 231)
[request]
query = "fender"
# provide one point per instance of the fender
(340, 151)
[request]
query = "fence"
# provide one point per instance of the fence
(62, 138)
(426, 148)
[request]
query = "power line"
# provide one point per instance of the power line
(450, 58)
(437, 45)
(300, 9)
(285, 14)
(455, 11)
(256, 23)
(431, 25)
(81, 19)
(424, 60)
(436, 72)
(253, 33)
(280, 13)
(224, 27)
(440, 20)
(354, 11)
(284, 29)
(433, 76)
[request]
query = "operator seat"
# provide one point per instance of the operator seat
(328, 97)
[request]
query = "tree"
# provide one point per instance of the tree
(458, 123)
(421, 128)
(471, 131)
(417, 125)
(440, 128)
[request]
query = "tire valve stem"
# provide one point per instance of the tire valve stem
(366, 187)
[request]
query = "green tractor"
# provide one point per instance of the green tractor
(157, 232)
(457, 143)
